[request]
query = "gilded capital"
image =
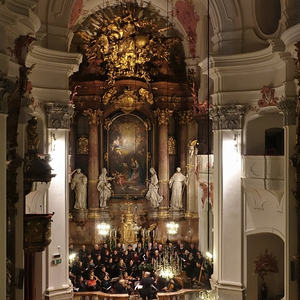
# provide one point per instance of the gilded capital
(185, 116)
(163, 116)
(94, 116)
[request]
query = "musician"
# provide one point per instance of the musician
(93, 282)
(106, 283)
(121, 287)
(147, 283)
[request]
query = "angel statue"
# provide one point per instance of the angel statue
(104, 187)
(152, 195)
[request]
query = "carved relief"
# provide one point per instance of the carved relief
(59, 115)
(227, 116)
(83, 145)
(163, 116)
(268, 97)
(171, 145)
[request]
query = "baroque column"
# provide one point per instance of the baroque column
(93, 165)
(163, 116)
(58, 127)
(228, 223)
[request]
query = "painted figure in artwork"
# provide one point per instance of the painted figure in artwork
(177, 183)
(104, 188)
(153, 195)
(79, 185)
(127, 151)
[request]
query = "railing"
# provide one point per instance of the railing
(184, 294)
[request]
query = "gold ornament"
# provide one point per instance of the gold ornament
(171, 146)
(83, 145)
(127, 39)
(163, 116)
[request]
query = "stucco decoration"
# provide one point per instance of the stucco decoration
(188, 17)
(268, 97)
(205, 191)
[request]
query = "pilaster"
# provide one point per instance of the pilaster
(57, 279)
(288, 108)
(228, 208)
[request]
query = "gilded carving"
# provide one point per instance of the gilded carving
(108, 95)
(83, 145)
(146, 95)
(184, 117)
(171, 145)
(127, 99)
(94, 116)
(163, 116)
(127, 40)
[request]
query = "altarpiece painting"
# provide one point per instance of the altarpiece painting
(127, 143)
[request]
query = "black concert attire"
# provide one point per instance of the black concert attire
(146, 292)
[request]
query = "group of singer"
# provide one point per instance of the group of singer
(120, 270)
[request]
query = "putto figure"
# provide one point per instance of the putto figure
(79, 184)
(104, 187)
(177, 183)
(152, 195)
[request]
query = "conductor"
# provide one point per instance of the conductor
(146, 290)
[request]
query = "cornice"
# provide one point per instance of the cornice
(54, 60)
(292, 35)
(245, 62)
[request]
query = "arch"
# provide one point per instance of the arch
(261, 246)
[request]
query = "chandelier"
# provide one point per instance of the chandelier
(167, 266)
(103, 228)
(172, 227)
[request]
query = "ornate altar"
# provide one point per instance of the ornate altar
(132, 112)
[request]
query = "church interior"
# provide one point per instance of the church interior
(154, 136)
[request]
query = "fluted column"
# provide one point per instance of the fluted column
(93, 165)
(163, 116)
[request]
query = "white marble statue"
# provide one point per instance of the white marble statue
(152, 195)
(104, 187)
(177, 183)
(79, 184)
